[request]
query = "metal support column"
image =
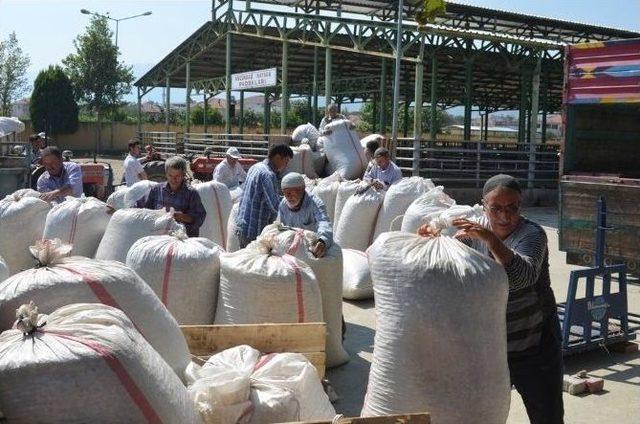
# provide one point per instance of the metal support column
(383, 97)
(227, 123)
(417, 115)
(407, 101)
(266, 113)
(522, 114)
(374, 113)
(468, 88)
(544, 105)
(533, 124)
(187, 116)
(241, 116)
(434, 98)
(139, 114)
(396, 82)
(486, 125)
(205, 109)
(285, 87)
(314, 107)
(167, 105)
(327, 75)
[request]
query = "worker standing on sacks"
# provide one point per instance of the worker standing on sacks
(533, 329)
(333, 114)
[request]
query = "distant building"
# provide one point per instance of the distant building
(554, 126)
(20, 109)
(492, 132)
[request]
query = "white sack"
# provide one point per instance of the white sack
(345, 191)
(343, 150)
(127, 197)
(217, 202)
(308, 131)
(303, 161)
(22, 218)
(443, 221)
(370, 137)
(236, 194)
(80, 222)
(10, 125)
(233, 242)
(60, 281)
(4, 270)
(396, 201)
(356, 277)
(328, 272)
(357, 221)
(87, 364)
(129, 225)
(258, 287)
(116, 199)
(425, 208)
(440, 325)
(327, 190)
(183, 272)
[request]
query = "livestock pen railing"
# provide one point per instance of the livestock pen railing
(165, 143)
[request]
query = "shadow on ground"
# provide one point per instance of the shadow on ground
(619, 367)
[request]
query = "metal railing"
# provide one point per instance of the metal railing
(165, 143)
(253, 146)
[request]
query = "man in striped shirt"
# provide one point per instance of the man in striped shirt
(260, 199)
(533, 329)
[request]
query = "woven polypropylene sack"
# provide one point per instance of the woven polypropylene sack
(61, 281)
(22, 218)
(443, 221)
(308, 131)
(183, 272)
(127, 197)
(424, 208)
(370, 137)
(258, 287)
(328, 272)
(4, 270)
(80, 222)
(88, 364)
(128, 226)
(396, 201)
(356, 276)
(327, 190)
(217, 202)
(345, 191)
(438, 301)
(357, 221)
(303, 161)
(233, 242)
(343, 150)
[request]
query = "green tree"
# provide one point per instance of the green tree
(369, 117)
(98, 78)
(214, 117)
(53, 108)
(13, 73)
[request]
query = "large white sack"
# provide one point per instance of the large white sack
(370, 137)
(4, 270)
(327, 190)
(440, 324)
(303, 161)
(443, 221)
(22, 218)
(233, 242)
(183, 272)
(80, 222)
(356, 277)
(129, 225)
(396, 201)
(217, 202)
(345, 191)
(59, 281)
(127, 197)
(87, 364)
(308, 131)
(357, 221)
(343, 150)
(257, 287)
(424, 208)
(328, 272)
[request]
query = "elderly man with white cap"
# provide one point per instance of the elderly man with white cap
(301, 209)
(229, 172)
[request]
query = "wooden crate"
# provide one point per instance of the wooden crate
(422, 418)
(308, 339)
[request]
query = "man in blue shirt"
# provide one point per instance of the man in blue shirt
(60, 178)
(382, 172)
(260, 199)
(301, 209)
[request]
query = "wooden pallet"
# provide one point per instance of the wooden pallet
(308, 339)
(423, 418)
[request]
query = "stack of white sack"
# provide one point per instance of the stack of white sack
(343, 150)
(303, 161)
(257, 286)
(239, 385)
(183, 272)
(437, 302)
(396, 201)
(80, 222)
(129, 225)
(328, 272)
(327, 190)
(233, 242)
(22, 218)
(345, 191)
(357, 221)
(356, 276)
(306, 133)
(371, 137)
(236, 194)
(60, 280)
(86, 363)
(443, 221)
(217, 202)
(127, 197)
(4, 270)
(425, 208)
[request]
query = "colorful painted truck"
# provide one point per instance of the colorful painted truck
(601, 151)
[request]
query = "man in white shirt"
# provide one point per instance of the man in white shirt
(382, 172)
(229, 172)
(133, 169)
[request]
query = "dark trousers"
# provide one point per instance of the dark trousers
(538, 377)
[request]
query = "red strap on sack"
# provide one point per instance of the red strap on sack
(168, 260)
(297, 242)
(289, 260)
(263, 360)
(74, 224)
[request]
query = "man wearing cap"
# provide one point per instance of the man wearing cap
(301, 209)
(382, 172)
(534, 350)
(229, 172)
(133, 169)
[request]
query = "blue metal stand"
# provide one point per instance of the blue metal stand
(597, 319)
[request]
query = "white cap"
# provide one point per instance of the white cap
(233, 152)
(292, 180)
(42, 135)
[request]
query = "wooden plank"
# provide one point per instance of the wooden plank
(420, 418)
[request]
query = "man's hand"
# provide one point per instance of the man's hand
(319, 249)
(182, 217)
(50, 195)
(473, 230)
(378, 185)
(426, 231)
(326, 132)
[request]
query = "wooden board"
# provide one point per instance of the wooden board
(422, 418)
(308, 339)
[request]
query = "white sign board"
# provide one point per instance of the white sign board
(254, 79)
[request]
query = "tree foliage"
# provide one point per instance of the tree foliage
(214, 116)
(13, 73)
(369, 116)
(53, 108)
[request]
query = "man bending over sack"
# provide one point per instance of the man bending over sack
(534, 350)
(382, 172)
(301, 209)
(60, 178)
(176, 194)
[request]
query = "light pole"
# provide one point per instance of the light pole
(117, 21)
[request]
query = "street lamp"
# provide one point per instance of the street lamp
(117, 21)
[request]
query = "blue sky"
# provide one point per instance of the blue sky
(46, 28)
